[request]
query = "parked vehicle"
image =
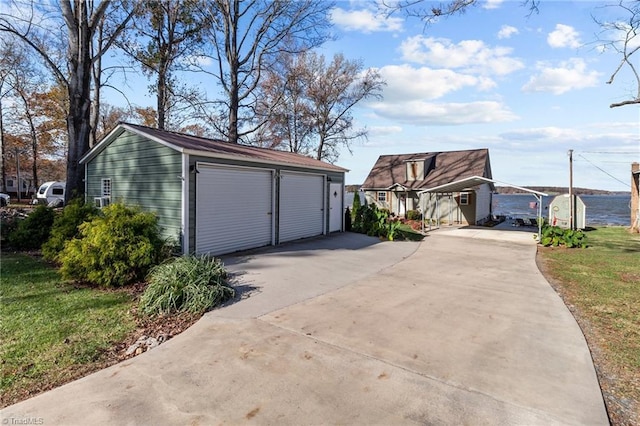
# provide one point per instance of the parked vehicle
(51, 194)
(4, 199)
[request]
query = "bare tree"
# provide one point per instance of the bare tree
(309, 103)
(429, 11)
(78, 21)
(622, 36)
(246, 36)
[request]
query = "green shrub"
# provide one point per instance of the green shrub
(556, 236)
(32, 231)
(66, 227)
(186, 284)
(356, 205)
(114, 249)
(413, 215)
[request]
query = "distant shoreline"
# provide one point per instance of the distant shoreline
(551, 190)
(555, 190)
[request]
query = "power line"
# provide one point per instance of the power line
(604, 171)
(612, 152)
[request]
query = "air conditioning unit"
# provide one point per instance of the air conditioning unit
(101, 202)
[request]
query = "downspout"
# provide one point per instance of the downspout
(185, 204)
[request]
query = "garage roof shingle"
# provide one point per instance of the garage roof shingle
(213, 148)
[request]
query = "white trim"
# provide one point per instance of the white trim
(185, 204)
(260, 161)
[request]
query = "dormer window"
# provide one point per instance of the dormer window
(415, 170)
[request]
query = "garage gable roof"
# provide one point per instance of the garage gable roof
(442, 168)
(194, 145)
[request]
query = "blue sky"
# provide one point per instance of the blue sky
(529, 88)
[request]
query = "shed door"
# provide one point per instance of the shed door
(301, 206)
(233, 209)
(335, 207)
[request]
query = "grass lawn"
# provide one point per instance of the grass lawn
(601, 285)
(52, 332)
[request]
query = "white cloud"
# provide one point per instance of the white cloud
(365, 21)
(376, 131)
(492, 4)
(405, 82)
(506, 31)
(470, 55)
(564, 36)
(569, 75)
(549, 134)
(441, 114)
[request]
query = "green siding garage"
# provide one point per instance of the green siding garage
(212, 196)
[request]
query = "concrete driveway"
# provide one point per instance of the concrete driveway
(348, 330)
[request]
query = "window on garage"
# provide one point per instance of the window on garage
(382, 196)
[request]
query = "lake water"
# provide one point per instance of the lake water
(601, 209)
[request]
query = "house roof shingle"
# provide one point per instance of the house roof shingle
(447, 166)
(214, 148)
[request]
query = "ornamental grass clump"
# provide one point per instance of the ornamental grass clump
(191, 284)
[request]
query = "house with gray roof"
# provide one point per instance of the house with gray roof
(453, 187)
(212, 196)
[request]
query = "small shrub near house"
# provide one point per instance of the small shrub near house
(31, 232)
(192, 284)
(114, 249)
(66, 227)
(413, 215)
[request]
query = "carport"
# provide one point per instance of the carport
(468, 184)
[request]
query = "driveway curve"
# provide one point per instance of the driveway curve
(350, 330)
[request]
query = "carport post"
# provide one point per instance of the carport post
(539, 198)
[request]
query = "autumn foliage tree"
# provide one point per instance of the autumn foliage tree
(62, 35)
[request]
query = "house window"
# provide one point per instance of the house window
(464, 198)
(382, 196)
(106, 188)
(415, 170)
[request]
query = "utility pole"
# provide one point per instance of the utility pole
(571, 200)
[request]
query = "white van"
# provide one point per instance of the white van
(51, 194)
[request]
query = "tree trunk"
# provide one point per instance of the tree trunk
(162, 94)
(233, 112)
(79, 118)
(2, 151)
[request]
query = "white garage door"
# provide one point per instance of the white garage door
(301, 206)
(233, 209)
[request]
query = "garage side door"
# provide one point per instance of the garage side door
(301, 206)
(233, 209)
